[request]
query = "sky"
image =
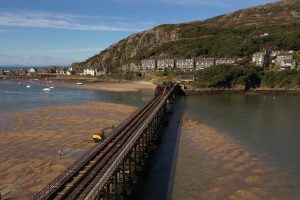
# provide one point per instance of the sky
(60, 32)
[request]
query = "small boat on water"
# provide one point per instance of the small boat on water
(28, 86)
(79, 83)
(46, 89)
(51, 87)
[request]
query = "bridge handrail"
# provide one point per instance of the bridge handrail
(98, 167)
(113, 159)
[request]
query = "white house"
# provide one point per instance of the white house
(32, 70)
(148, 64)
(202, 62)
(185, 64)
(225, 61)
(163, 64)
(288, 64)
(90, 72)
(93, 72)
(260, 59)
(70, 71)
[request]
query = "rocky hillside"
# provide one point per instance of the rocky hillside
(235, 34)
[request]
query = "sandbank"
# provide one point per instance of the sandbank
(30, 141)
(117, 86)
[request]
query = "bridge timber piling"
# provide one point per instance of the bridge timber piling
(111, 168)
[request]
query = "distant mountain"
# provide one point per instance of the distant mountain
(240, 33)
(9, 66)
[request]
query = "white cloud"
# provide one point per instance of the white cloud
(37, 19)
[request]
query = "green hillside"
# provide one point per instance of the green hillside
(235, 34)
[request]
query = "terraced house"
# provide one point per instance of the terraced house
(261, 59)
(163, 64)
(148, 64)
(225, 61)
(185, 64)
(202, 62)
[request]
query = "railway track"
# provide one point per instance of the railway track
(76, 180)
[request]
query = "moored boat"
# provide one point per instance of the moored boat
(46, 89)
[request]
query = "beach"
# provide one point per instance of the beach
(103, 85)
(116, 86)
(92, 83)
(30, 141)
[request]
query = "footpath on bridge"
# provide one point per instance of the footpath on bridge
(158, 182)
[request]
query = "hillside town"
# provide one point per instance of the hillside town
(281, 60)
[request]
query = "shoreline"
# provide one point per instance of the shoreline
(144, 85)
(258, 91)
(112, 86)
(95, 84)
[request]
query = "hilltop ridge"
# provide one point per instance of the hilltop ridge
(233, 34)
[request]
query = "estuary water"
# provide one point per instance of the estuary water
(270, 125)
(239, 147)
(15, 97)
(230, 147)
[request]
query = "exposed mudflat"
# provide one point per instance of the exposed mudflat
(30, 141)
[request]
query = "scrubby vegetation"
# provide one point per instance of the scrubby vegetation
(230, 76)
(130, 76)
(281, 79)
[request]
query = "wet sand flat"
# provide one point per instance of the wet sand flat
(212, 165)
(113, 86)
(30, 141)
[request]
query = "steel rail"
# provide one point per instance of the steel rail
(63, 178)
(102, 178)
(85, 178)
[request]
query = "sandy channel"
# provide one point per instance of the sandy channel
(30, 141)
(112, 86)
(212, 165)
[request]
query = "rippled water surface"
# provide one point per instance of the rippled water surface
(239, 147)
(15, 97)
